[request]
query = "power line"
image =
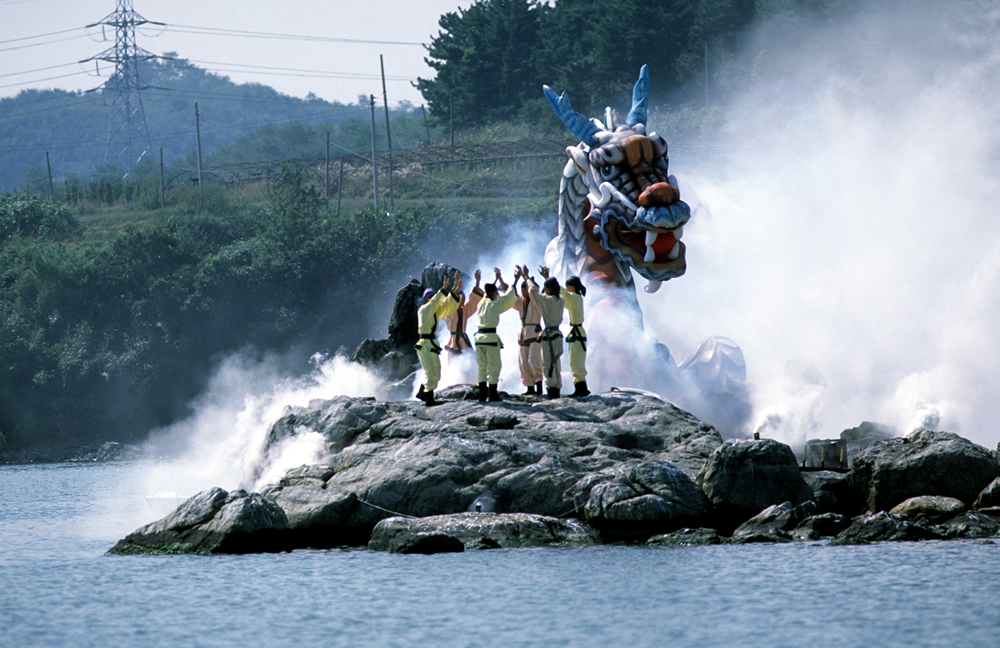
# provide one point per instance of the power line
(24, 38)
(210, 31)
(58, 40)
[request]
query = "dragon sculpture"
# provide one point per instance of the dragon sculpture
(618, 207)
(620, 211)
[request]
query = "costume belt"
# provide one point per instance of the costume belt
(528, 341)
(549, 336)
(488, 330)
(577, 334)
(435, 347)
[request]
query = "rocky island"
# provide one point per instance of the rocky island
(620, 466)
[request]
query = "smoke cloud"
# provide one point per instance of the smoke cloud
(845, 231)
(222, 443)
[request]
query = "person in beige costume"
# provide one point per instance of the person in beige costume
(456, 322)
(529, 349)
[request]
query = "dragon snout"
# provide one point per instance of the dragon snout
(659, 194)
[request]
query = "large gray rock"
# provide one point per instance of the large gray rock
(924, 463)
(928, 507)
(524, 455)
(635, 500)
(743, 477)
(214, 522)
(482, 529)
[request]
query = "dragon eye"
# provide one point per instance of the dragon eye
(607, 171)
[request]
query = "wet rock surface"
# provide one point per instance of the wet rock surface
(891, 471)
(743, 477)
(623, 466)
(482, 530)
(213, 522)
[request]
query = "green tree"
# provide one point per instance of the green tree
(484, 62)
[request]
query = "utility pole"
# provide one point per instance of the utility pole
(426, 127)
(52, 193)
(162, 186)
(451, 120)
(388, 134)
(340, 183)
(326, 185)
(197, 134)
(371, 102)
(128, 138)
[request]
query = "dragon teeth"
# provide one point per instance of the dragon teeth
(675, 251)
(650, 252)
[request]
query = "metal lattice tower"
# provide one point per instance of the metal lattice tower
(128, 138)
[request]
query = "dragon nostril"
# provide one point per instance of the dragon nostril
(659, 194)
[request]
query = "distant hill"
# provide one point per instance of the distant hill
(72, 127)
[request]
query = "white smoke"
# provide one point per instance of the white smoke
(848, 221)
(223, 442)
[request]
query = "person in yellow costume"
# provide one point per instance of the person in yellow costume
(435, 306)
(487, 341)
(573, 293)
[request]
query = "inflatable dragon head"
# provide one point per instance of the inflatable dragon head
(619, 209)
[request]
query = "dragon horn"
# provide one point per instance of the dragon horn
(640, 99)
(575, 122)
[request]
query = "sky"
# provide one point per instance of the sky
(330, 48)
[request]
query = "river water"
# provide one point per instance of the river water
(59, 588)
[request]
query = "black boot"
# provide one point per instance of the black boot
(530, 391)
(580, 389)
(482, 392)
(553, 392)
(422, 394)
(494, 394)
(429, 398)
(538, 388)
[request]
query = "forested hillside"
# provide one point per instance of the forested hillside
(73, 127)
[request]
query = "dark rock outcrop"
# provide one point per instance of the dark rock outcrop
(989, 497)
(688, 536)
(924, 463)
(743, 477)
(775, 523)
(883, 527)
(478, 530)
(214, 522)
(825, 525)
(971, 524)
(832, 492)
(394, 356)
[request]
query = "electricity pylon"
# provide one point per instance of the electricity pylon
(128, 138)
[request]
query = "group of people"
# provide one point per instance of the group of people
(540, 339)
